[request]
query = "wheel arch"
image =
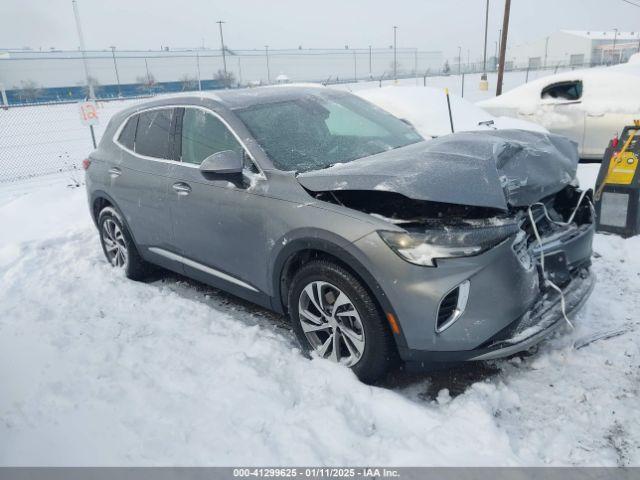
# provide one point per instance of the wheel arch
(99, 200)
(296, 252)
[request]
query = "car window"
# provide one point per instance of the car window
(342, 121)
(203, 134)
(563, 91)
(152, 134)
(128, 133)
(319, 130)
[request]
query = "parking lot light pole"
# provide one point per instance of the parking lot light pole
(92, 94)
(355, 67)
(198, 68)
(224, 58)
(484, 60)
(395, 54)
(266, 53)
(115, 66)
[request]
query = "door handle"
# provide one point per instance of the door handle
(181, 188)
(115, 172)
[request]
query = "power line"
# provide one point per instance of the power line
(631, 3)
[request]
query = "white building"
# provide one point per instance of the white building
(578, 48)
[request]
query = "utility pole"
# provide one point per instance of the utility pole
(266, 52)
(115, 66)
(546, 51)
(459, 60)
(146, 67)
(224, 58)
(503, 46)
(499, 42)
(395, 54)
(484, 61)
(198, 66)
(355, 67)
(615, 37)
(370, 72)
(92, 94)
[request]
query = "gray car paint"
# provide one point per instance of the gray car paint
(494, 169)
(248, 229)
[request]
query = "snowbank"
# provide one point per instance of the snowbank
(426, 109)
(605, 89)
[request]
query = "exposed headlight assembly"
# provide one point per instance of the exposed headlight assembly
(425, 247)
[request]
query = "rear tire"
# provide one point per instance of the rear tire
(118, 246)
(332, 300)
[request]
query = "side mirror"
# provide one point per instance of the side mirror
(227, 161)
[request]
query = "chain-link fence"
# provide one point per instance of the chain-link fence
(37, 77)
(47, 138)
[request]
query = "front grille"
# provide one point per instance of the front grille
(448, 307)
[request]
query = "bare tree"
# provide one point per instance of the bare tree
(188, 82)
(29, 90)
(446, 69)
(147, 82)
(226, 80)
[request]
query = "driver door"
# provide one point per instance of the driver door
(561, 110)
(218, 220)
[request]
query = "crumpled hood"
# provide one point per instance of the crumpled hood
(496, 169)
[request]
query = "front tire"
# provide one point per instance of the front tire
(118, 246)
(335, 316)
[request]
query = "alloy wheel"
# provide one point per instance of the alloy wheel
(114, 243)
(331, 323)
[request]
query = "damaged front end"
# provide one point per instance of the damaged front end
(540, 219)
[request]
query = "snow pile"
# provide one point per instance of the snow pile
(426, 109)
(99, 370)
(605, 89)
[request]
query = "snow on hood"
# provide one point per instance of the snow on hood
(495, 169)
(426, 109)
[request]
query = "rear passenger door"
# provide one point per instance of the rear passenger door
(139, 178)
(218, 220)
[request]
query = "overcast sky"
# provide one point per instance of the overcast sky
(426, 24)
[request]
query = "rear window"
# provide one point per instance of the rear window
(152, 134)
(128, 133)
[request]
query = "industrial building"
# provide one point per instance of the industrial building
(576, 48)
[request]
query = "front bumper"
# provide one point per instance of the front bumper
(535, 325)
(507, 310)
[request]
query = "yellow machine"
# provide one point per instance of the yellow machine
(617, 188)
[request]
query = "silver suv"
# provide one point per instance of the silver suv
(379, 246)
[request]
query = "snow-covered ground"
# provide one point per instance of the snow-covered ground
(98, 370)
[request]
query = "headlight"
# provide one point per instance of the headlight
(423, 248)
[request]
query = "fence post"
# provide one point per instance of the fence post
(462, 87)
(5, 102)
(526, 79)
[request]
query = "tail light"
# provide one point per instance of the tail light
(86, 163)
